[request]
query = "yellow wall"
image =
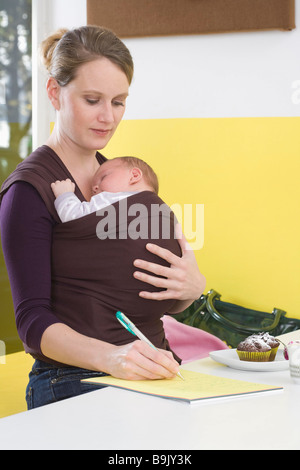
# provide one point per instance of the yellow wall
(246, 173)
(13, 382)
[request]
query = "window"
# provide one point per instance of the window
(15, 84)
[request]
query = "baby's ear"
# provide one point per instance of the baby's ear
(136, 175)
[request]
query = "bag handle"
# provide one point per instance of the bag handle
(202, 303)
(212, 295)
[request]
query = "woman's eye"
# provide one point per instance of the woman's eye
(92, 101)
(118, 103)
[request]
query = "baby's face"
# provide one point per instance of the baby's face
(112, 176)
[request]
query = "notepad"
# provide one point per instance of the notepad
(195, 388)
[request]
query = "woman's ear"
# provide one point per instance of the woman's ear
(53, 91)
(136, 175)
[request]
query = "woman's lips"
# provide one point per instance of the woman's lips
(101, 132)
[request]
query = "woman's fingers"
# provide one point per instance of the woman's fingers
(182, 280)
(154, 268)
(138, 361)
(170, 285)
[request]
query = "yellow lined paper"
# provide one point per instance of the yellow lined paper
(195, 387)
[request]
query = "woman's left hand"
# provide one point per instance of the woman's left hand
(182, 281)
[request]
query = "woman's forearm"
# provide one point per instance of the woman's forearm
(63, 344)
(133, 361)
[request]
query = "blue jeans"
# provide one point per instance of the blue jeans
(48, 383)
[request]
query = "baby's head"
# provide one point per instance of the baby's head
(124, 174)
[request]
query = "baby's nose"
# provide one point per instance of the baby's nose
(95, 189)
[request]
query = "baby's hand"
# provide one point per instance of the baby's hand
(60, 187)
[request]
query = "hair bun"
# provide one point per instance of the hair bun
(48, 46)
(64, 51)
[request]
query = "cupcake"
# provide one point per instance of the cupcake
(272, 342)
(254, 349)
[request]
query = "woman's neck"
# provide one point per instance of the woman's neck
(81, 163)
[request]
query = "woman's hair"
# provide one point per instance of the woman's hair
(66, 50)
(149, 174)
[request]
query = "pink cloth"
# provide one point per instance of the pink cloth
(190, 343)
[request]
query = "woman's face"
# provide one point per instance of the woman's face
(92, 105)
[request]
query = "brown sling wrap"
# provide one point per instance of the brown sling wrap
(92, 278)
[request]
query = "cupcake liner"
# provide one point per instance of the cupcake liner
(254, 356)
(273, 353)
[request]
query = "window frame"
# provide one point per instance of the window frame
(42, 112)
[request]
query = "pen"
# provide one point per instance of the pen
(136, 332)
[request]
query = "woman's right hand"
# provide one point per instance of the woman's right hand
(133, 361)
(138, 361)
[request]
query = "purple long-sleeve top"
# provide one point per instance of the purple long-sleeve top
(26, 235)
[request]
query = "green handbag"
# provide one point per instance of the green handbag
(232, 323)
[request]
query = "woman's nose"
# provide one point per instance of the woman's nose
(106, 113)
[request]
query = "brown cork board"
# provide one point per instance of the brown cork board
(140, 18)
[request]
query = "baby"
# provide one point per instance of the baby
(115, 179)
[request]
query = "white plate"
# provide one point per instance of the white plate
(229, 358)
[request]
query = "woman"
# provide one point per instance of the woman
(90, 71)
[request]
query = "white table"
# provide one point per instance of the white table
(112, 419)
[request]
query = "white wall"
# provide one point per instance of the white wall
(218, 75)
(238, 74)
